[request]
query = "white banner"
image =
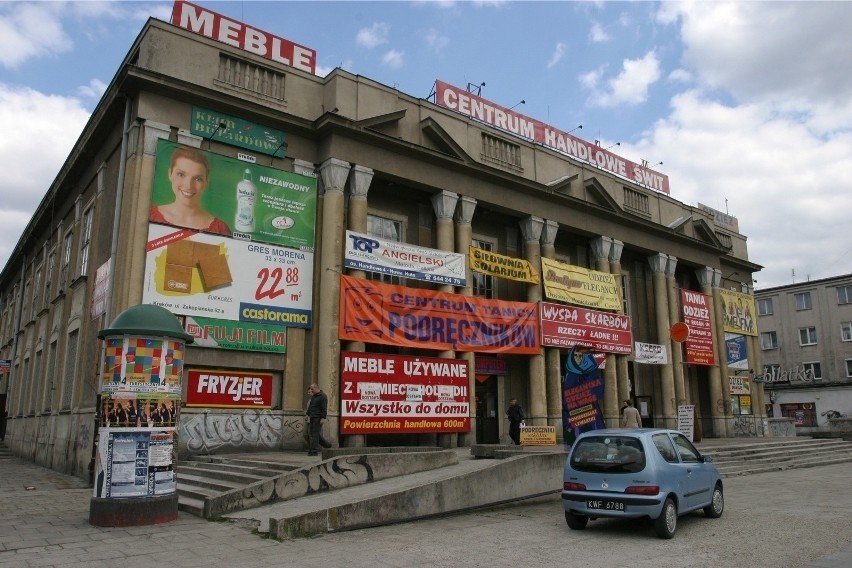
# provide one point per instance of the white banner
(200, 274)
(651, 353)
(364, 252)
(686, 420)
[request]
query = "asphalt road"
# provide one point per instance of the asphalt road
(794, 518)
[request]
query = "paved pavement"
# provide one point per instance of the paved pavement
(796, 518)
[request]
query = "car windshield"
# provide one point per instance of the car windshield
(610, 454)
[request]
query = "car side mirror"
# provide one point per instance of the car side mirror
(706, 459)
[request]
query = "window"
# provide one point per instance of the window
(844, 294)
(48, 380)
(813, 369)
(803, 301)
(70, 362)
(48, 276)
(86, 239)
(764, 307)
(66, 261)
(688, 453)
(807, 336)
(636, 201)
(483, 284)
(389, 230)
(664, 445)
(251, 77)
(768, 340)
(846, 331)
(849, 367)
(501, 152)
(36, 290)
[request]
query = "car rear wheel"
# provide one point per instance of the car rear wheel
(717, 505)
(666, 524)
(576, 522)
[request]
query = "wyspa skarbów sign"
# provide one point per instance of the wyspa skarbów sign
(483, 110)
(580, 286)
(383, 393)
(228, 389)
(237, 132)
(221, 28)
(198, 274)
(283, 211)
(567, 326)
(365, 252)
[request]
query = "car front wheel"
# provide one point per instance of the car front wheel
(576, 522)
(666, 524)
(717, 505)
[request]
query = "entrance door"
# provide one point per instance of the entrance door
(487, 413)
(646, 410)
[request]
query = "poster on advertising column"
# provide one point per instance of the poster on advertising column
(696, 314)
(392, 394)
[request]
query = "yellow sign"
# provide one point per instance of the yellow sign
(538, 435)
(580, 286)
(739, 311)
(501, 266)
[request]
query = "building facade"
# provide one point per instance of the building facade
(358, 162)
(806, 340)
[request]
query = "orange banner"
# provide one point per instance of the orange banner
(373, 312)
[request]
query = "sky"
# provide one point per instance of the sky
(748, 105)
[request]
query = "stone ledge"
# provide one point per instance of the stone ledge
(328, 453)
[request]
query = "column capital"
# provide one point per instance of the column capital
(304, 167)
(531, 228)
(152, 132)
(705, 277)
(658, 263)
(548, 233)
(601, 247)
(359, 181)
(188, 138)
(333, 174)
(444, 204)
(671, 266)
(717, 277)
(616, 250)
(464, 210)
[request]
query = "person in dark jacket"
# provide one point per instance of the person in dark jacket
(315, 415)
(515, 414)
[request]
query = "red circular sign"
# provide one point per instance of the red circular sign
(679, 332)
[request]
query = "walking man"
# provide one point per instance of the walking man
(630, 418)
(515, 414)
(315, 415)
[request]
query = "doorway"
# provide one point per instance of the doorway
(487, 425)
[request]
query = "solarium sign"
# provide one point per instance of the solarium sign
(500, 117)
(216, 26)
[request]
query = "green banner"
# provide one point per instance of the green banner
(237, 132)
(241, 336)
(212, 193)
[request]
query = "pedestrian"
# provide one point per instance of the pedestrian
(630, 417)
(516, 416)
(315, 415)
(621, 412)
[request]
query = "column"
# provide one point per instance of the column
(444, 204)
(531, 228)
(601, 248)
(622, 373)
(718, 398)
(333, 175)
(464, 236)
(666, 408)
(552, 360)
(718, 327)
(675, 350)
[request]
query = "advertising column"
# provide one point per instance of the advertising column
(135, 476)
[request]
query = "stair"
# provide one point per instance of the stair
(777, 455)
(5, 452)
(207, 477)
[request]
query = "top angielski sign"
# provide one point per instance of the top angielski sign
(216, 26)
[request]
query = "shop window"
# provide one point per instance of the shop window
(813, 369)
(764, 307)
(844, 294)
(803, 301)
(807, 336)
(849, 367)
(846, 331)
(803, 413)
(741, 404)
(768, 340)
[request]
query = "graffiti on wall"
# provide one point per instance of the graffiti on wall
(252, 429)
(83, 436)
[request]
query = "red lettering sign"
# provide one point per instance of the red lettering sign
(216, 26)
(567, 326)
(228, 389)
(696, 314)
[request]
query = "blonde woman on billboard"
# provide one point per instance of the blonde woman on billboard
(189, 174)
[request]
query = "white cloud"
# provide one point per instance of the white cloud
(632, 84)
(558, 54)
(31, 30)
(47, 127)
(394, 59)
(373, 36)
(591, 79)
(597, 34)
(680, 76)
(436, 41)
(94, 90)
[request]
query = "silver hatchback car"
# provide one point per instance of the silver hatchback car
(639, 472)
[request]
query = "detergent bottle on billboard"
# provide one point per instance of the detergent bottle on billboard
(246, 193)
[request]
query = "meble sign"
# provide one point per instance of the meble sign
(216, 26)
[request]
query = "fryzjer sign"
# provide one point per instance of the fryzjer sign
(503, 118)
(373, 312)
(228, 389)
(567, 326)
(386, 394)
(216, 26)
(696, 314)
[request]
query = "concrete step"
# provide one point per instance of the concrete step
(213, 484)
(750, 469)
(246, 463)
(213, 468)
(201, 470)
(780, 455)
